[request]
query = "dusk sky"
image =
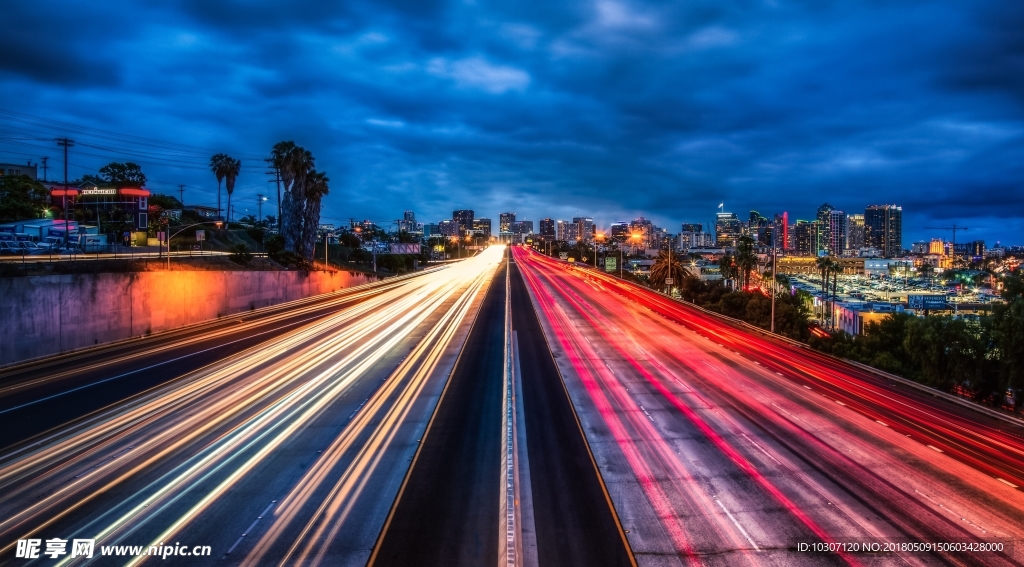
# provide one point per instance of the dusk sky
(605, 109)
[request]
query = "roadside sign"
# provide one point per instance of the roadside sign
(195, 247)
(611, 264)
(669, 281)
(200, 235)
(571, 259)
(563, 255)
(161, 236)
(405, 248)
(584, 259)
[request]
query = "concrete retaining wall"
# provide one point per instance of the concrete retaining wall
(46, 315)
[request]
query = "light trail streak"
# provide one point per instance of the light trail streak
(155, 464)
(816, 468)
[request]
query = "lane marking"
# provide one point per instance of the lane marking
(840, 403)
(933, 447)
(1007, 483)
(251, 526)
(806, 386)
(881, 423)
(737, 524)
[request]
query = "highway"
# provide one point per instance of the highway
(279, 440)
(723, 447)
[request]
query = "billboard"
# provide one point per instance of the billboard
(405, 248)
(926, 301)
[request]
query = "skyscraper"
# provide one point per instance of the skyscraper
(584, 229)
(482, 226)
(836, 232)
(823, 224)
(854, 231)
(728, 229)
(805, 236)
(547, 229)
(620, 231)
(883, 229)
(780, 231)
(505, 221)
(464, 219)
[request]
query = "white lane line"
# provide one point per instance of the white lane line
(883, 424)
(779, 373)
(934, 448)
(1007, 483)
(806, 386)
(251, 526)
(737, 524)
(840, 403)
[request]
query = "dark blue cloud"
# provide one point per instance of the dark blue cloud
(608, 108)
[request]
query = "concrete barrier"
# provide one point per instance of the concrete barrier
(45, 315)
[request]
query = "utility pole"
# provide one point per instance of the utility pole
(259, 203)
(45, 167)
(277, 179)
(65, 143)
(181, 191)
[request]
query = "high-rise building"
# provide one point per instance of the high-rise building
(584, 229)
(805, 237)
(448, 228)
(728, 229)
(620, 231)
(883, 229)
(823, 224)
(547, 229)
(505, 221)
(836, 244)
(566, 231)
(855, 232)
(780, 231)
(464, 219)
(641, 233)
(431, 229)
(759, 228)
(408, 223)
(482, 226)
(521, 228)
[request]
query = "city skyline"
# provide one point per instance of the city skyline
(611, 109)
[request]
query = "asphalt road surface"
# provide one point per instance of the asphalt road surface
(723, 447)
(448, 511)
(287, 452)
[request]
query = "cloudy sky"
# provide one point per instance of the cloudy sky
(610, 109)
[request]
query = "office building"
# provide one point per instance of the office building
(823, 225)
(780, 231)
(584, 228)
(855, 232)
(448, 228)
(547, 229)
(883, 229)
(836, 229)
(728, 229)
(805, 238)
(464, 220)
(505, 221)
(620, 231)
(482, 227)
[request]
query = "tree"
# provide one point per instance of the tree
(947, 352)
(746, 258)
(662, 270)
(21, 197)
(231, 169)
(824, 265)
(304, 189)
(165, 201)
(126, 174)
(217, 163)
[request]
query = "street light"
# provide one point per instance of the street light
(217, 223)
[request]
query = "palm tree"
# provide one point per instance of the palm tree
(824, 265)
(662, 270)
(231, 169)
(746, 259)
(295, 164)
(217, 166)
(316, 189)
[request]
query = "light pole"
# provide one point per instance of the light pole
(218, 223)
(775, 280)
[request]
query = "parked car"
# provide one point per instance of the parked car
(9, 248)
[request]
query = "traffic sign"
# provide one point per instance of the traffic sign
(669, 281)
(200, 235)
(563, 255)
(584, 259)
